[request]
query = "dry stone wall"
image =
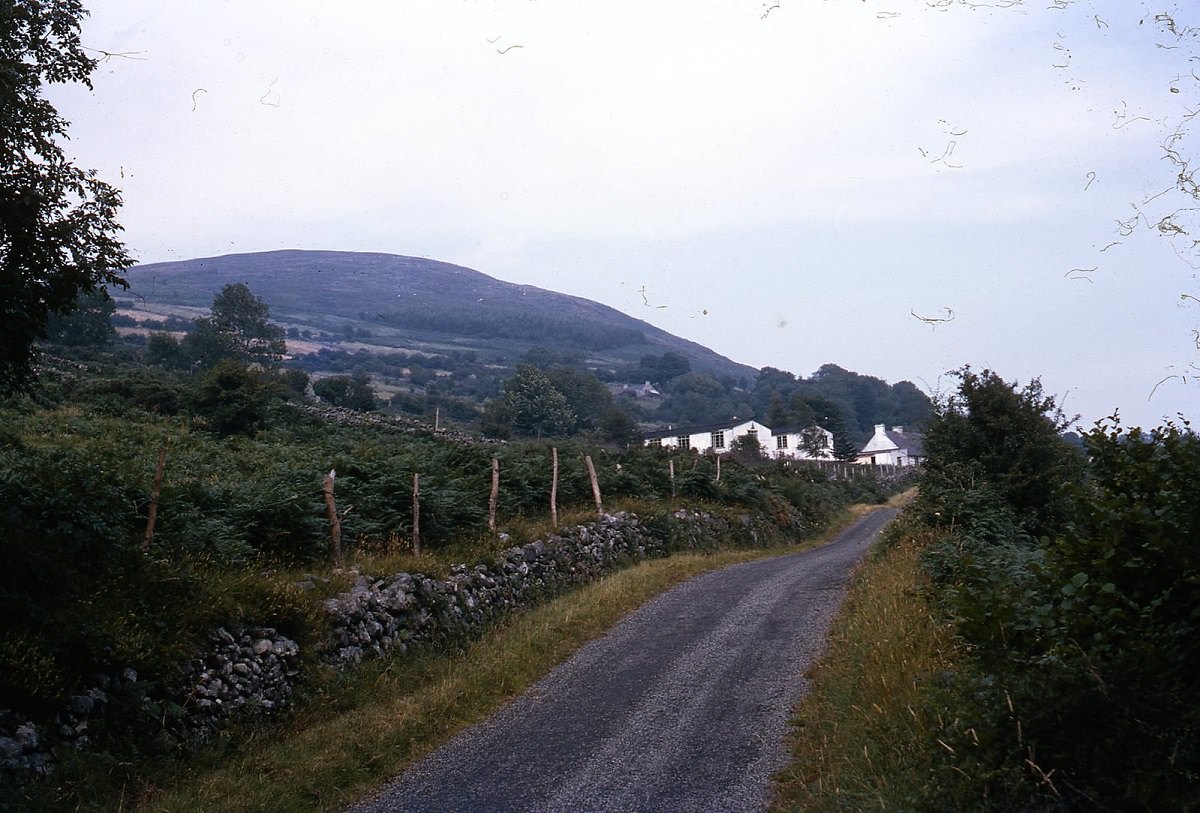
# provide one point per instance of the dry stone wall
(253, 671)
(406, 609)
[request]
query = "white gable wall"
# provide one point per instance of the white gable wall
(794, 447)
(882, 451)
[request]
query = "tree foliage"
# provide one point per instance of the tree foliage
(660, 370)
(1074, 584)
(87, 324)
(532, 406)
(846, 403)
(1122, 585)
(57, 222)
(238, 328)
(558, 400)
(349, 391)
(697, 398)
(992, 434)
(232, 398)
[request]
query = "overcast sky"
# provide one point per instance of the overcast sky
(790, 184)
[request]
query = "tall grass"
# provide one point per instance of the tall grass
(866, 736)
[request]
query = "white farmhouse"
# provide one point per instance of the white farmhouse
(801, 443)
(718, 437)
(892, 447)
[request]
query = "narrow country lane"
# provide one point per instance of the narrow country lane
(683, 706)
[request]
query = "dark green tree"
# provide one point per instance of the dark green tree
(1122, 588)
(746, 448)
(995, 434)
(545, 358)
(164, 350)
(618, 426)
(532, 406)
(349, 391)
(843, 447)
(911, 408)
(772, 390)
(699, 398)
(238, 328)
(588, 399)
(232, 398)
(295, 383)
(812, 442)
(88, 324)
(827, 414)
(58, 228)
(777, 412)
(659, 370)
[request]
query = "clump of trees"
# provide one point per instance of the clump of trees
(349, 391)
(558, 401)
(237, 329)
(1073, 579)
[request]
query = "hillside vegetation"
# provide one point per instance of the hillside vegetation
(242, 533)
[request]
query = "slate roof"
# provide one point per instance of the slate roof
(911, 441)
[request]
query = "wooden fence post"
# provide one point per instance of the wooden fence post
(494, 495)
(672, 465)
(595, 484)
(718, 466)
(335, 522)
(154, 492)
(554, 486)
(416, 506)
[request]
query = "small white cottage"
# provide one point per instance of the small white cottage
(892, 447)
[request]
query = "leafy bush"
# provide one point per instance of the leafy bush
(1078, 593)
(1006, 439)
(351, 392)
(146, 390)
(232, 398)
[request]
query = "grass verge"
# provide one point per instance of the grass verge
(357, 730)
(866, 735)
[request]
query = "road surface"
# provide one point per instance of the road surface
(683, 706)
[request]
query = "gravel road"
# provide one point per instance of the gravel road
(683, 706)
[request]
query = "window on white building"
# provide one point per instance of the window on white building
(685, 441)
(781, 442)
(718, 439)
(655, 442)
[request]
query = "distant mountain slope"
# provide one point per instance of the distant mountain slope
(418, 304)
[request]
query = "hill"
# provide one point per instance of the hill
(391, 302)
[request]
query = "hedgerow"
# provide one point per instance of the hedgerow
(1073, 580)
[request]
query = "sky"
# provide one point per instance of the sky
(898, 187)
